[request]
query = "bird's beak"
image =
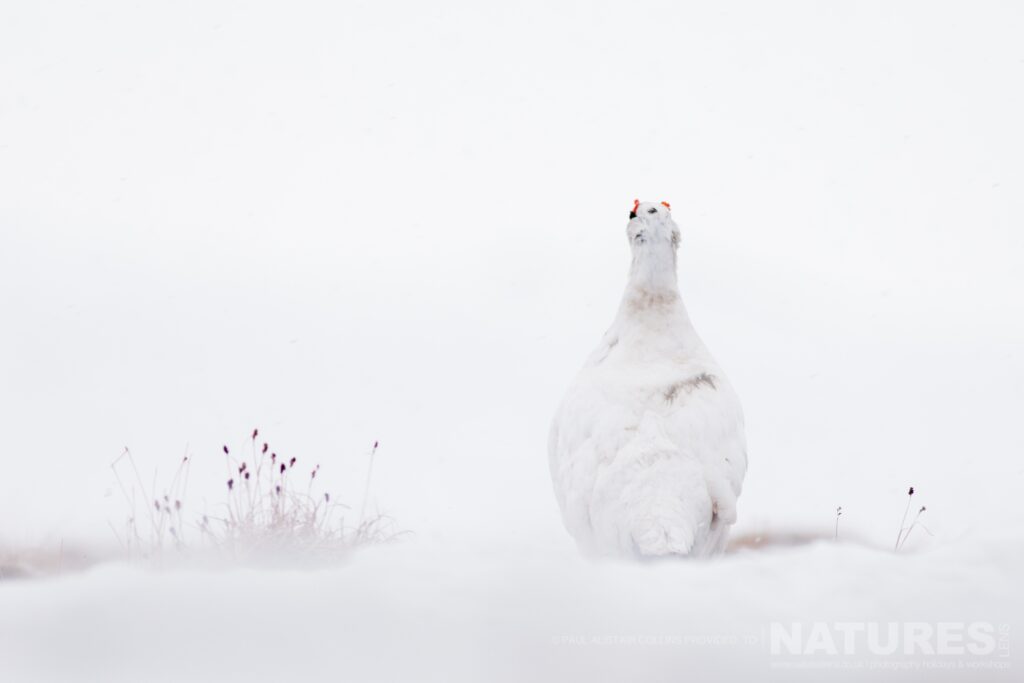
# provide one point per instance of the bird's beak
(632, 215)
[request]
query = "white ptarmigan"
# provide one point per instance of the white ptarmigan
(647, 450)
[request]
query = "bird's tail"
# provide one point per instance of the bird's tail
(654, 502)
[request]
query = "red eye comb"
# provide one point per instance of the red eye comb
(636, 204)
(666, 205)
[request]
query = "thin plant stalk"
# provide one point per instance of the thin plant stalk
(903, 522)
(366, 489)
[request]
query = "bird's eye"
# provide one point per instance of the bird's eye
(652, 210)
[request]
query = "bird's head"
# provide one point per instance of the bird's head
(651, 226)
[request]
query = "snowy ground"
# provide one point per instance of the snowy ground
(353, 222)
(428, 612)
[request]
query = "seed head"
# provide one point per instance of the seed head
(255, 433)
(911, 491)
(226, 450)
(231, 484)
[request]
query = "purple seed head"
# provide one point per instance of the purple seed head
(283, 468)
(375, 444)
(231, 484)
(247, 476)
(292, 463)
(255, 433)
(265, 447)
(911, 491)
(226, 450)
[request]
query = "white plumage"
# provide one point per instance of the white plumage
(647, 450)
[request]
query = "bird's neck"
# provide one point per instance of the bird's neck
(652, 277)
(652, 315)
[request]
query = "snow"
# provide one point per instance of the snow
(349, 222)
(418, 612)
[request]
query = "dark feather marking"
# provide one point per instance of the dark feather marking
(689, 385)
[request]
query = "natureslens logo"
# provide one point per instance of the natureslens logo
(912, 638)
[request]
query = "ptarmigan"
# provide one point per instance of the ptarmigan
(647, 450)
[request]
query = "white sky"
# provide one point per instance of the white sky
(343, 222)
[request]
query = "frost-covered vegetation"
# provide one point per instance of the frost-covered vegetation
(272, 507)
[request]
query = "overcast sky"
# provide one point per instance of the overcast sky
(344, 222)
